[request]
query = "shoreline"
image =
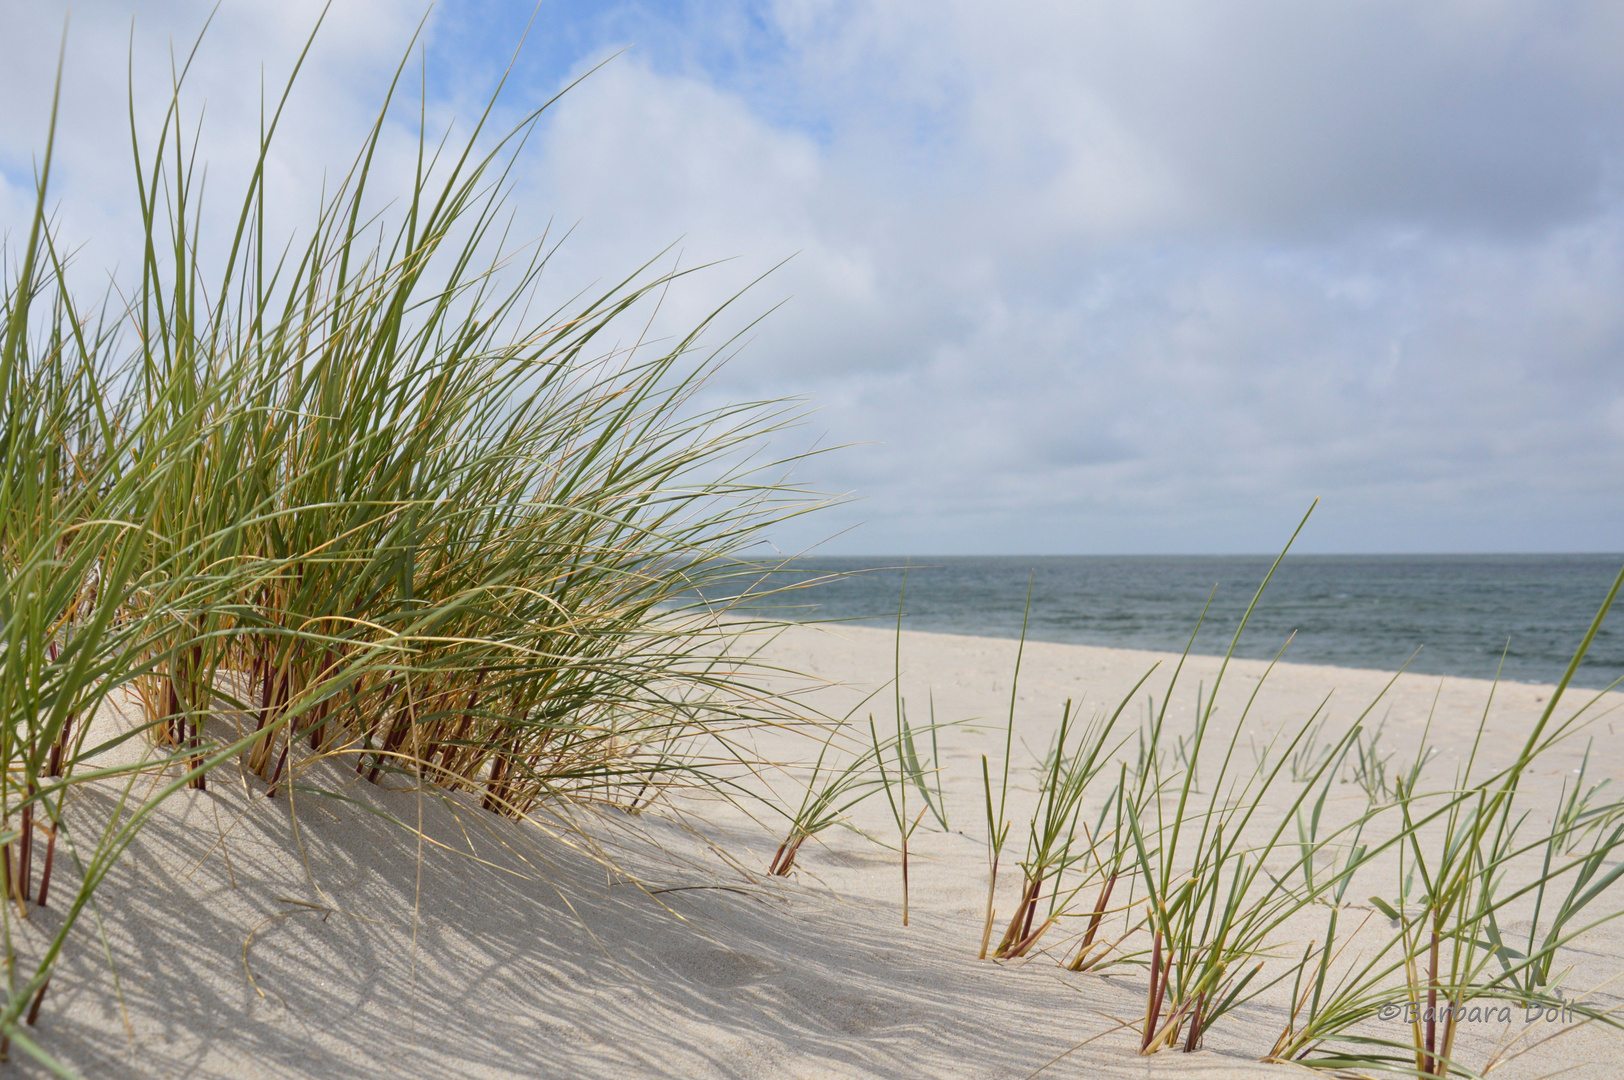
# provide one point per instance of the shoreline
(890, 632)
(878, 624)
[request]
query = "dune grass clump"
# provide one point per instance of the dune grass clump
(832, 789)
(476, 519)
(1059, 841)
(1213, 910)
(360, 495)
(891, 764)
(1467, 861)
(1216, 917)
(1367, 767)
(909, 768)
(1222, 880)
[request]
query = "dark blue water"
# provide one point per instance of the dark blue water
(1371, 611)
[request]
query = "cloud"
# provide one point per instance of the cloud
(1085, 277)
(115, 48)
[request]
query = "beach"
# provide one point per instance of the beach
(346, 929)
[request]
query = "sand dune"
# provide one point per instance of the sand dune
(373, 932)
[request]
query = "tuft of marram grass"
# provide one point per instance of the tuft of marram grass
(1212, 923)
(356, 497)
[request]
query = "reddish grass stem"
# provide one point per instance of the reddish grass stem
(784, 860)
(25, 850)
(1194, 1040)
(1428, 1062)
(905, 878)
(1153, 1002)
(39, 999)
(1082, 963)
(45, 871)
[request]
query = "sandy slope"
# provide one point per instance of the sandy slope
(317, 937)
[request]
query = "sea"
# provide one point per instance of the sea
(1521, 616)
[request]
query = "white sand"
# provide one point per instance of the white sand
(320, 939)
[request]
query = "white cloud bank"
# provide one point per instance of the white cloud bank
(1077, 277)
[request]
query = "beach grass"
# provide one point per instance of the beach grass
(359, 496)
(1219, 884)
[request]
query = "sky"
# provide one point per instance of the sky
(1079, 277)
